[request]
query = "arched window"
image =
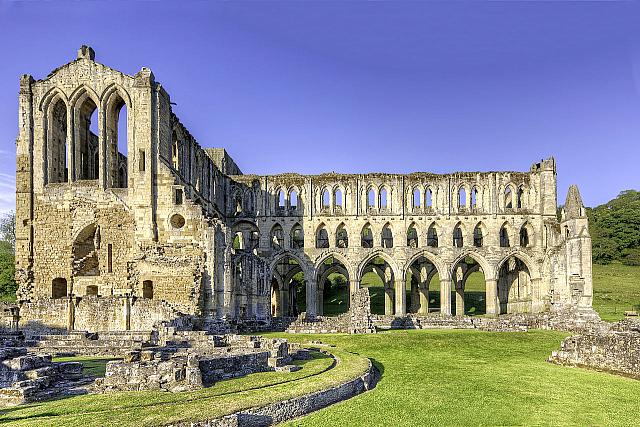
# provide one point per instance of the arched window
(387, 236)
(474, 198)
(238, 241)
(117, 140)
(87, 139)
(524, 236)
(371, 198)
(337, 197)
(366, 237)
(147, 289)
(281, 200)
(519, 198)
(432, 237)
(508, 198)
(297, 237)
(175, 151)
(457, 237)
(342, 238)
(478, 235)
(57, 147)
(429, 198)
(504, 237)
(326, 199)
(462, 198)
(417, 198)
(412, 237)
(237, 201)
(293, 199)
(59, 288)
(383, 198)
(277, 237)
(322, 238)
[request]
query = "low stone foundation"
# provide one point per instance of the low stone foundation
(280, 412)
(616, 350)
(27, 377)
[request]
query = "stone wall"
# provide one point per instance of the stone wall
(617, 352)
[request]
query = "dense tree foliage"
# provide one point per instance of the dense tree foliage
(8, 285)
(615, 229)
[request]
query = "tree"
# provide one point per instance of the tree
(615, 229)
(8, 230)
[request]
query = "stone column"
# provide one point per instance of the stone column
(460, 298)
(388, 300)
(415, 297)
(312, 298)
(281, 309)
(424, 298)
(320, 308)
(354, 285)
(445, 297)
(401, 298)
(493, 306)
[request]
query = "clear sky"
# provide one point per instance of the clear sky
(359, 87)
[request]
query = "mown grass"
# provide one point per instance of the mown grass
(616, 288)
(158, 408)
(92, 365)
(472, 378)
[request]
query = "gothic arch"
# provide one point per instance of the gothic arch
(388, 259)
(489, 272)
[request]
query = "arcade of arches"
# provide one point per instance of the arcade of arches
(421, 290)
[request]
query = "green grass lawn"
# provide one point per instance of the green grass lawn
(461, 377)
(616, 288)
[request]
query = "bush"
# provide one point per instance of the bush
(8, 284)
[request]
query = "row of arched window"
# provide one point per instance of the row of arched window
(296, 237)
(73, 154)
(333, 200)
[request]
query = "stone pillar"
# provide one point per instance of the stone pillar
(354, 285)
(492, 304)
(312, 298)
(71, 314)
(424, 298)
(320, 308)
(460, 298)
(445, 297)
(415, 297)
(281, 309)
(401, 298)
(388, 300)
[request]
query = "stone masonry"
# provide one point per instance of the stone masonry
(123, 232)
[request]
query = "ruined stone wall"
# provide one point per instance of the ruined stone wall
(173, 227)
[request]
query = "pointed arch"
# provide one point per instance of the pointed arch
(296, 240)
(387, 236)
(322, 237)
(342, 236)
(366, 236)
(432, 235)
(458, 235)
(526, 235)
(479, 234)
(276, 236)
(505, 235)
(412, 236)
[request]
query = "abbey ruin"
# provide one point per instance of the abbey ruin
(119, 231)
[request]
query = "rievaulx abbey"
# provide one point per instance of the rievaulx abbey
(168, 231)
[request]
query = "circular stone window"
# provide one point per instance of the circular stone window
(177, 221)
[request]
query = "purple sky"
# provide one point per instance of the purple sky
(359, 87)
